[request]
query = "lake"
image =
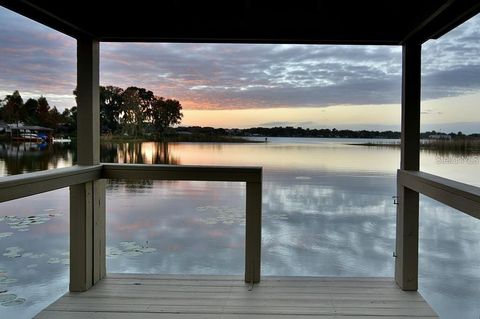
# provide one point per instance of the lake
(327, 211)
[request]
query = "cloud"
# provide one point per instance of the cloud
(39, 60)
(36, 60)
(243, 76)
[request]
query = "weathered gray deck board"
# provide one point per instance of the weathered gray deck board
(188, 297)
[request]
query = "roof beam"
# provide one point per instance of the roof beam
(448, 16)
(36, 13)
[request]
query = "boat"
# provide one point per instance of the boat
(62, 140)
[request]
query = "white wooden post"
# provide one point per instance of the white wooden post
(253, 235)
(87, 201)
(406, 262)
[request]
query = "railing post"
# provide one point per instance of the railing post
(406, 262)
(87, 201)
(253, 235)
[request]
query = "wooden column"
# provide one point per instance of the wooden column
(253, 236)
(87, 201)
(406, 263)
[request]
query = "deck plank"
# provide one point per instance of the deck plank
(227, 297)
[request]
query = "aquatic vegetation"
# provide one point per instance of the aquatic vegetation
(33, 255)
(230, 215)
(53, 260)
(7, 297)
(13, 252)
(6, 280)
(222, 214)
(21, 224)
(130, 249)
(303, 178)
(6, 234)
(15, 302)
(8, 300)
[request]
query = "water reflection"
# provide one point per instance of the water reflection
(327, 211)
(18, 158)
(130, 153)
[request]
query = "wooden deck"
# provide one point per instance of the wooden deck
(212, 297)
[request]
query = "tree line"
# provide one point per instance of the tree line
(290, 131)
(33, 112)
(134, 112)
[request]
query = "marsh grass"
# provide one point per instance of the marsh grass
(455, 146)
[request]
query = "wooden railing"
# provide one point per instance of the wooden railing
(87, 209)
(410, 184)
(463, 197)
(251, 175)
(18, 186)
(87, 229)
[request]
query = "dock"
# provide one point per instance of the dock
(182, 296)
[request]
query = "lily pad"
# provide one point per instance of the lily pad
(15, 302)
(148, 250)
(6, 234)
(113, 251)
(24, 223)
(130, 249)
(54, 260)
(7, 297)
(7, 280)
(3, 288)
(13, 252)
(20, 226)
(33, 255)
(222, 214)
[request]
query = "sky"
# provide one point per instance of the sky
(245, 85)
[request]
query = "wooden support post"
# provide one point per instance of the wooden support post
(87, 201)
(406, 262)
(253, 235)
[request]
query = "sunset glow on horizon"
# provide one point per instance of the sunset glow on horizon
(246, 85)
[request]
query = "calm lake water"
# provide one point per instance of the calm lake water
(327, 211)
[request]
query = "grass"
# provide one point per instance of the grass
(454, 146)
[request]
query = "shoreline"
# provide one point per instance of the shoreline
(178, 139)
(467, 146)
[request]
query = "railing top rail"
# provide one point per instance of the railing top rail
(463, 197)
(182, 172)
(22, 185)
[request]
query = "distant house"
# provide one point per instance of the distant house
(29, 133)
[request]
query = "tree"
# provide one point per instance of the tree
(12, 110)
(164, 113)
(111, 103)
(43, 111)
(54, 118)
(135, 109)
(70, 117)
(30, 109)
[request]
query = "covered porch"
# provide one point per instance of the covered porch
(94, 293)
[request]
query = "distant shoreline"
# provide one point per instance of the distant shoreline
(460, 146)
(194, 138)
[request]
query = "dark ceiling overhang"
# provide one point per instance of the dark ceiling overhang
(250, 21)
